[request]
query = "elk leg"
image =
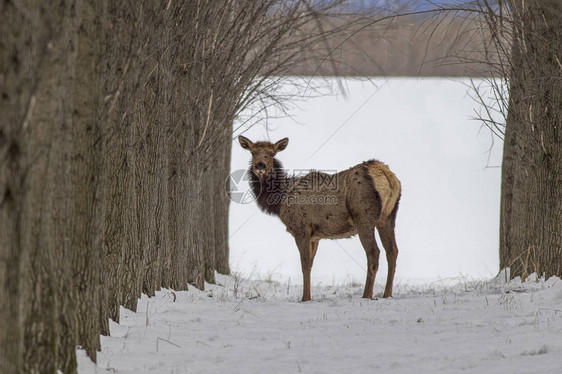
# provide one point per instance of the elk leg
(388, 239)
(313, 249)
(306, 251)
(367, 238)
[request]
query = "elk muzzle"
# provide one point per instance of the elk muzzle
(260, 168)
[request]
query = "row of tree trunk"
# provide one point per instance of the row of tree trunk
(114, 152)
(116, 127)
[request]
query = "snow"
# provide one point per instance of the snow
(255, 326)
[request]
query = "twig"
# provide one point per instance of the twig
(166, 341)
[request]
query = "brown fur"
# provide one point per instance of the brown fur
(358, 200)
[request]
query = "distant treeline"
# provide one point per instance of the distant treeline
(402, 46)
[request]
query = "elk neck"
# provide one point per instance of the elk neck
(270, 189)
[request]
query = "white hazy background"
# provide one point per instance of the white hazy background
(424, 129)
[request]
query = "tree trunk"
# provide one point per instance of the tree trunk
(221, 203)
(531, 210)
(123, 257)
(39, 149)
(11, 175)
(86, 192)
(15, 103)
(51, 193)
(153, 205)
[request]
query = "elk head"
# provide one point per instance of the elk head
(263, 154)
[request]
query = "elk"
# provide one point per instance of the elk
(329, 206)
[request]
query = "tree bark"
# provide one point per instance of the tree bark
(86, 192)
(531, 210)
(221, 204)
(45, 306)
(15, 103)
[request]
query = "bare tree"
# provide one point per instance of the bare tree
(531, 195)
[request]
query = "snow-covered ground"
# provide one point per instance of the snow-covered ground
(259, 326)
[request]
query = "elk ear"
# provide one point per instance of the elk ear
(281, 145)
(245, 143)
